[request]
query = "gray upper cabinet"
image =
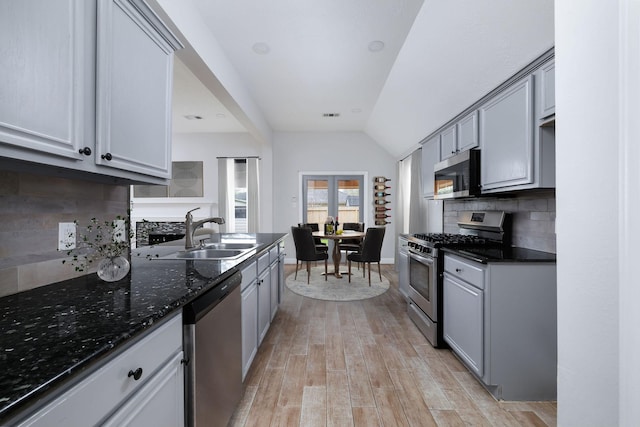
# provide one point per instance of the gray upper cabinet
(92, 87)
(448, 142)
(461, 136)
(468, 132)
(134, 84)
(47, 76)
(546, 91)
(430, 156)
(506, 138)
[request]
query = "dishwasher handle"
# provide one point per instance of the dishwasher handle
(199, 307)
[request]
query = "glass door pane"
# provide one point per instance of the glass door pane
(349, 200)
(316, 201)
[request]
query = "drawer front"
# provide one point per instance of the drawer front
(263, 262)
(465, 270)
(249, 275)
(91, 400)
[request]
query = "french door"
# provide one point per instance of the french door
(339, 196)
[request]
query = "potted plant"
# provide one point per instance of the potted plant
(105, 242)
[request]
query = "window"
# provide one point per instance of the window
(238, 198)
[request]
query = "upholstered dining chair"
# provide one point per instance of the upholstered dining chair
(351, 245)
(315, 227)
(370, 251)
(306, 250)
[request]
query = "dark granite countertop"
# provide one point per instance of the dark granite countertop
(54, 332)
(502, 255)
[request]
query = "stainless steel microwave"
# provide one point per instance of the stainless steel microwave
(458, 176)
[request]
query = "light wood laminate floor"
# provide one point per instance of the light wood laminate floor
(364, 363)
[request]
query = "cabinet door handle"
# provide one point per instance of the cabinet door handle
(107, 156)
(135, 374)
(86, 151)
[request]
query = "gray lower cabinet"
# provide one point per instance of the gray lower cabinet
(249, 296)
(500, 319)
(108, 82)
(506, 138)
(260, 292)
(403, 266)
(109, 395)
(264, 297)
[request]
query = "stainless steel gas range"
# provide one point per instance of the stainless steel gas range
(476, 229)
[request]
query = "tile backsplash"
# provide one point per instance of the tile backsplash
(533, 217)
(31, 206)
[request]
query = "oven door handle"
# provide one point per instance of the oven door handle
(421, 259)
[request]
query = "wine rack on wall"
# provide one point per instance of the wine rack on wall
(380, 209)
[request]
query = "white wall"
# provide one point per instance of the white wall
(207, 147)
(598, 197)
(327, 152)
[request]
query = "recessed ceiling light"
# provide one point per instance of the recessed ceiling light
(193, 117)
(220, 116)
(376, 46)
(261, 48)
(356, 110)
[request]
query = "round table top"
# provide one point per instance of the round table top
(346, 234)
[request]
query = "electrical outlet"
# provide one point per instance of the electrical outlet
(66, 236)
(119, 231)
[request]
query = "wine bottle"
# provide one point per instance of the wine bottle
(382, 222)
(335, 229)
(379, 215)
(381, 194)
(380, 187)
(381, 202)
(382, 209)
(381, 179)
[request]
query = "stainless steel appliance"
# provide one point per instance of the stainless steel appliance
(457, 176)
(213, 351)
(426, 267)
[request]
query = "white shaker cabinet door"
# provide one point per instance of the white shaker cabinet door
(46, 93)
(249, 326)
(159, 403)
(134, 88)
(506, 137)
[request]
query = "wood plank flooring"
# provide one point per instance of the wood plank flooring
(364, 363)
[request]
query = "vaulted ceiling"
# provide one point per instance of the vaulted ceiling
(394, 69)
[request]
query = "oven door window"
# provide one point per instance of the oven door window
(420, 277)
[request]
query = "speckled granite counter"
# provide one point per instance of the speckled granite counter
(510, 254)
(51, 333)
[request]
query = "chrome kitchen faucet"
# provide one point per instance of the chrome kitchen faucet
(190, 227)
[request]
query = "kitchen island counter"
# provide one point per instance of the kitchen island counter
(55, 332)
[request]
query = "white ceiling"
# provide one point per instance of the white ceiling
(438, 58)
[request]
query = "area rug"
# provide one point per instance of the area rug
(335, 289)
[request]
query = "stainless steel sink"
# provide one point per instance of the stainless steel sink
(213, 251)
(219, 245)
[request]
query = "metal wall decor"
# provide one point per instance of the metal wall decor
(380, 193)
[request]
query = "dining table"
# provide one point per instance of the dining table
(336, 238)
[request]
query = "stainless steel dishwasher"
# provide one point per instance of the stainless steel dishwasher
(213, 350)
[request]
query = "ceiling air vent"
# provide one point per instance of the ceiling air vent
(331, 115)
